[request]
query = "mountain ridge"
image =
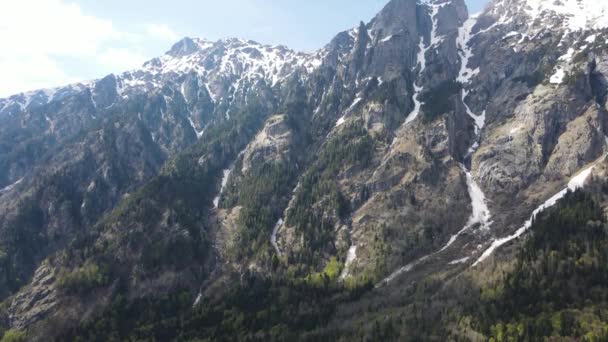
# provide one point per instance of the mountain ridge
(421, 138)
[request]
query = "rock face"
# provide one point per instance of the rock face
(271, 144)
(34, 304)
(406, 143)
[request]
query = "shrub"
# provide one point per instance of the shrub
(83, 279)
(14, 336)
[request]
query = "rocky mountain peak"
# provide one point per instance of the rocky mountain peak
(230, 58)
(567, 15)
(396, 16)
(188, 46)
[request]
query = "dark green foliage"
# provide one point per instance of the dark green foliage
(319, 201)
(264, 190)
(263, 310)
(158, 228)
(263, 193)
(557, 290)
(439, 100)
(13, 336)
(141, 319)
(254, 309)
(23, 241)
(179, 199)
(559, 284)
(28, 238)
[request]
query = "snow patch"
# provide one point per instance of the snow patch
(417, 105)
(211, 94)
(351, 255)
(462, 42)
(342, 120)
(417, 89)
(577, 14)
(354, 104)
(273, 237)
(591, 39)
(386, 39)
(511, 34)
(577, 182)
(421, 58)
(459, 261)
(558, 76)
(402, 270)
(198, 299)
(480, 214)
(199, 134)
(225, 177)
(11, 187)
(466, 73)
(50, 122)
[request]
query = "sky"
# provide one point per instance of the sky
(48, 43)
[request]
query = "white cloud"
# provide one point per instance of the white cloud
(162, 32)
(33, 72)
(119, 60)
(37, 37)
(29, 27)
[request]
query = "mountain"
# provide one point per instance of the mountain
(408, 181)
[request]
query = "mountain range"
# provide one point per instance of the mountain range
(428, 175)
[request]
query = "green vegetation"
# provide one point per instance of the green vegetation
(83, 279)
(319, 202)
(21, 244)
(263, 193)
(14, 336)
(158, 229)
(330, 274)
(554, 288)
(151, 222)
(559, 286)
(130, 320)
(264, 190)
(250, 307)
(255, 309)
(56, 196)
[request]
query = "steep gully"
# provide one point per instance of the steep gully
(216, 202)
(480, 215)
(279, 225)
(422, 62)
(577, 182)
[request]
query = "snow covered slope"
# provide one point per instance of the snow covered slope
(222, 66)
(570, 15)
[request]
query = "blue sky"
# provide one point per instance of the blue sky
(53, 42)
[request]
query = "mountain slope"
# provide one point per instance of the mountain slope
(407, 151)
